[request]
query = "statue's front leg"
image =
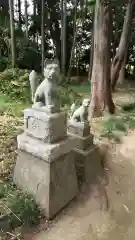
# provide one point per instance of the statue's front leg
(82, 117)
(35, 98)
(48, 99)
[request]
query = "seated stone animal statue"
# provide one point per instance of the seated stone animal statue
(46, 92)
(81, 113)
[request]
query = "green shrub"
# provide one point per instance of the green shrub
(15, 84)
(28, 55)
(3, 190)
(3, 63)
(128, 107)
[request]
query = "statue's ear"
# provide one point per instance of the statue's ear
(46, 62)
(51, 61)
(56, 61)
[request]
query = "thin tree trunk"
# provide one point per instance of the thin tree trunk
(121, 78)
(92, 48)
(63, 36)
(101, 84)
(61, 33)
(74, 41)
(13, 51)
(26, 19)
(43, 35)
(124, 43)
(34, 16)
(19, 13)
(37, 38)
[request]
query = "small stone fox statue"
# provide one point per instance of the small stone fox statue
(46, 93)
(81, 113)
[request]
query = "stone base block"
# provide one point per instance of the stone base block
(88, 165)
(53, 184)
(82, 143)
(44, 126)
(79, 128)
(47, 152)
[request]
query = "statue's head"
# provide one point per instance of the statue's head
(51, 68)
(86, 102)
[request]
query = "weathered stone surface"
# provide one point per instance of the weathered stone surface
(48, 109)
(83, 143)
(79, 128)
(52, 184)
(45, 151)
(89, 164)
(45, 126)
(46, 92)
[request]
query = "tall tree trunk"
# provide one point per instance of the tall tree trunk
(63, 35)
(92, 48)
(101, 84)
(122, 71)
(123, 45)
(74, 40)
(13, 51)
(43, 35)
(34, 15)
(19, 13)
(26, 19)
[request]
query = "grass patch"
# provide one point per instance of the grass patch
(112, 128)
(82, 89)
(111, 136)
(114, 124)
(20, 207)
(129, 121)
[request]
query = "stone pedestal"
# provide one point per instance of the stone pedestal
(87, 155)
(44, 126)
(45, 165)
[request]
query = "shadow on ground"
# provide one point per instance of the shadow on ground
(106, 210)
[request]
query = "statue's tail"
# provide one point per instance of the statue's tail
(72, 109)
(33, 79)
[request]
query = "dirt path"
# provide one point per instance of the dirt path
(87, 218)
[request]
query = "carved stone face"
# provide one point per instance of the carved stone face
(86, 102)
(51, 69)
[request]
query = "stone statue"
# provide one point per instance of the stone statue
(46, 93)
(81, 113)
(33, 78)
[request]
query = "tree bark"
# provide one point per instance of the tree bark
(123, 45)
(13, 50)
(101, 83)
(63, 35)
(26, 19)
(19, 13)
(43, 35)
(34, 17)
(92, 48)
(121, 78)
(74, 40)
